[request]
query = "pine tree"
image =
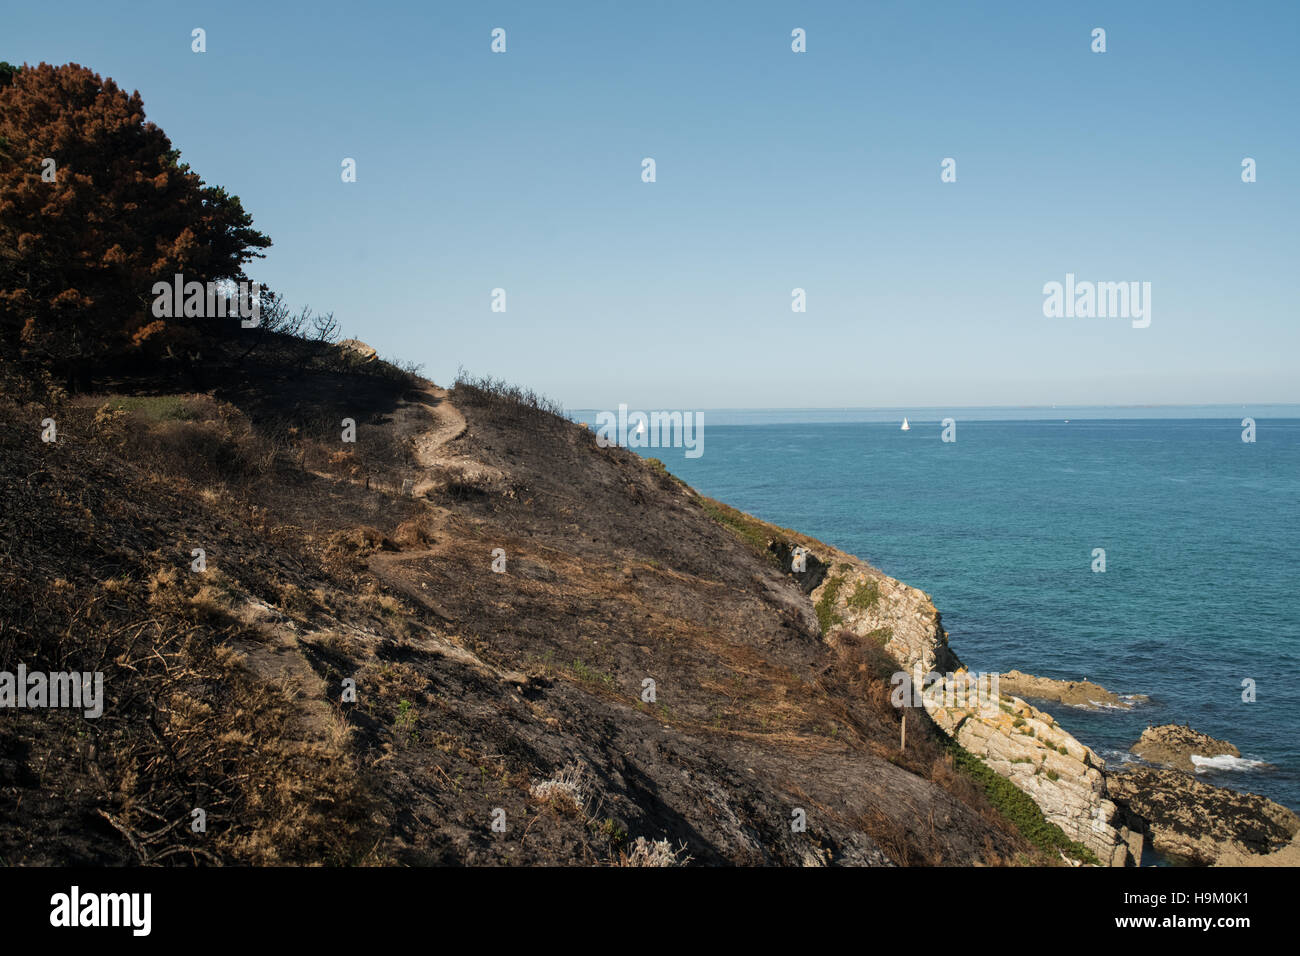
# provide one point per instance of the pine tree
(95, 207)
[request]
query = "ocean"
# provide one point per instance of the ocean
(1200, 531)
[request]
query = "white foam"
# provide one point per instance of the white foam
(1225, 762)
(1104, 705)
(1118, 756)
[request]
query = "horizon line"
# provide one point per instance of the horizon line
(923, 408)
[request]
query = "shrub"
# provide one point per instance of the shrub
(656, 853)
(865, 595)
(825, 606)
(1019, 808)
(565, 790)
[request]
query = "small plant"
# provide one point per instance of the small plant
(656, 853)
(611, 831)
(563, 791)
(590, 675)
(406, 719)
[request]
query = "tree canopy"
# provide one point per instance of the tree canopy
(95, 207)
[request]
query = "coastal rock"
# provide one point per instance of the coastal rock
(1063, 777)
(1076, 693)
(809, 572)
(1172, 745)
(900, 618)
(1288, 855)
(1203, 823)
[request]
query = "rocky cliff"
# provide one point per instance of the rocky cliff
(1027, 746)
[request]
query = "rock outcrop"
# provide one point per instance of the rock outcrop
(357, 350)
(1075, 693)
(1200, 822)
(1065, 779)
(1172, 745)
(1288, 855)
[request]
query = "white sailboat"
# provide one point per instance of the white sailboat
(906, 427)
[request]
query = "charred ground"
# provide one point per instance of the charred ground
(372, 561)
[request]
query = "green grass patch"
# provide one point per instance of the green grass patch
(865, 595)
(751, 532)
(155, 408)
(881, 635)
(405, 722)
(590, 675)
(1016, 805)
(825, 606)
(660, 469)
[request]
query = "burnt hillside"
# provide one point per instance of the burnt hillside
(475, 691)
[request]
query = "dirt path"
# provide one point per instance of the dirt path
(448, 424)
(433, 423)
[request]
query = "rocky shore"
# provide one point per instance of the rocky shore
(1065, 778)
(1174, 746)
(1075, 693)
(1202, 823)
(1113, 814)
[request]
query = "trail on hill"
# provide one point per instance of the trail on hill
(431, 422)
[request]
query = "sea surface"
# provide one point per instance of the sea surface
(1201, 533)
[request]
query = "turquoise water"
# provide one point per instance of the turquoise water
(1200, 531)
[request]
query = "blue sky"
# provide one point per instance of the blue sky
(775, 170)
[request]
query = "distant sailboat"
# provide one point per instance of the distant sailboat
(906, 427)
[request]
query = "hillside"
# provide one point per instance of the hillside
(475, 691)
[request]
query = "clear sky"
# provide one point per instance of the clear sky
(775, 170)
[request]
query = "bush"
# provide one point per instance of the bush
(506, 401)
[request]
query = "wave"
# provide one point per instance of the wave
(1117, 756)
(1225, 762)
